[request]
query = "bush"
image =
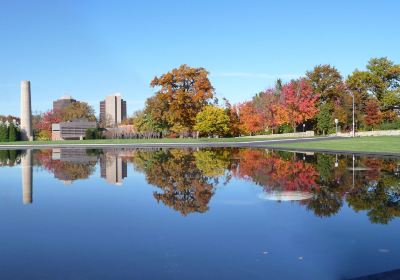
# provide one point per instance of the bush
(44, 135)
(285, 129)
(390, 125)
(93, 133)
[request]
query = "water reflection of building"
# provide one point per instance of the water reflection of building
(26, 167)
(113, 168)
(73, 164)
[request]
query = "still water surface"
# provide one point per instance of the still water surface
(197, 214)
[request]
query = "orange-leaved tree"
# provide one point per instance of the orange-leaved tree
(183, 93)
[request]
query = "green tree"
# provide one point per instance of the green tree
(324, 118)
(13, 133)
(3, 132)
(212, 120)
(381, 80)
(327, 82)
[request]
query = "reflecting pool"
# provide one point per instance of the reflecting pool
(197, 214)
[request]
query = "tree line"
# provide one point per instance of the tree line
(185, 103)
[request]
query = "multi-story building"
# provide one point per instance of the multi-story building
(63, 102)
(71, 130)
(112, 110)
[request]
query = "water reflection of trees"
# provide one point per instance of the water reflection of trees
(66, 165)
(186, 178)
(10, 157)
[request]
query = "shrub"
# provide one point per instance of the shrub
(3, 133)
(93, 133)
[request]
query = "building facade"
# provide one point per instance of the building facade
(71, 130)
(63, 102)
(112, 110)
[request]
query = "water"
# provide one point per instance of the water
(197, 214)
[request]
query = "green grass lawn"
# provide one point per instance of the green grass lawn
(143, 141)
(389, 144)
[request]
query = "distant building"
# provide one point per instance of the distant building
(63, 102)
(112, 110)
(71, 130)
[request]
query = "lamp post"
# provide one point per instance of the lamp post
(304, 127)
(336, 122)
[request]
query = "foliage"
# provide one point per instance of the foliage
(234, 121)
(373, 115)
(78, 110)
(267, 106)
(43, 135)
(250, 121)
(13, 133)
(327, 82)
(324, 118)
(93, 133)
(4, 133)
(212, 120)
(183, 93)
(45, 123)
(381, 80)
(299, 103)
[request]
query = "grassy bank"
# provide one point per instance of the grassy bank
(388, 144)
(143, 141)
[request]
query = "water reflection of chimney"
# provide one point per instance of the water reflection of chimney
(26, 164)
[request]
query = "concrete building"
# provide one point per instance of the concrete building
(63, 102)
(112, 110)
(74, 130)
(26, 169)
(26, 111)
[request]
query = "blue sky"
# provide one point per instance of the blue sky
(89, 49)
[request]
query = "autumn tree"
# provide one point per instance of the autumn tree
(327, 82)
(183, 93)
(299, 103)
(267, 105)
(373, 115)
(212, 120)
(234, 121)
(251, 121)
(78, 110)
(43, 126)
(380, 80)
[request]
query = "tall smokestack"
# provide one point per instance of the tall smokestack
(26, 113)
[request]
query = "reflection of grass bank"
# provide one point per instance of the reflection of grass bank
(144, 141)
(389, 144)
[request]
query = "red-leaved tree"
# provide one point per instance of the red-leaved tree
(48, 118)
(373, 115)
(299, 103)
